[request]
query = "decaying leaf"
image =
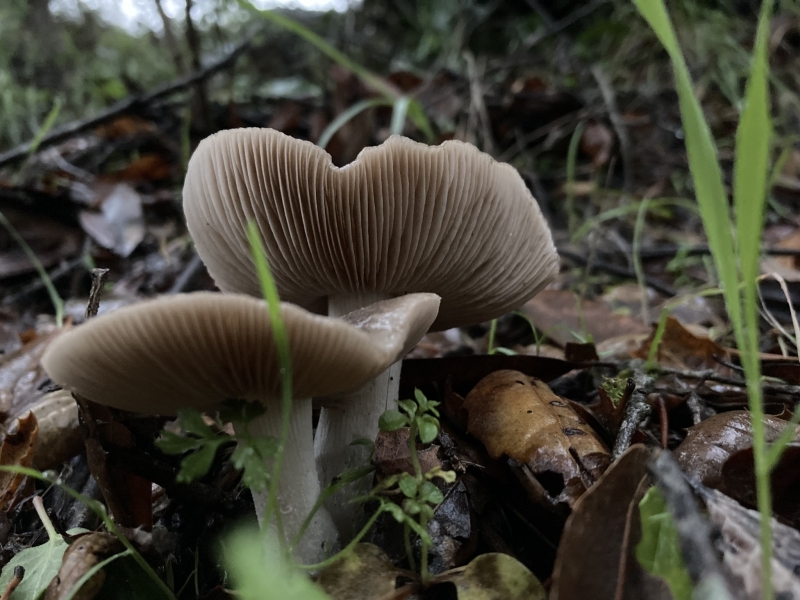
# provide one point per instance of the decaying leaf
(21, 375)
(365, 574)
(59, 432)
(81, 556)
(680, 348)
(595, 557)
(494, 576)
(520, 417)
(392, 455)
(741, 550)
(712, 442)
(563, 319)
(17, 449)
(120, 224)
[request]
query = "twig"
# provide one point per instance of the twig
(610, 100)
(636, 411)
(132, 103)
(711, 375)
(694, 532)
(99, 277)
(663, 417)
(693, 404)
(600, 265)
(19, 574)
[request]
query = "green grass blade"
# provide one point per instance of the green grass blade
(702, 152)
(417, 115)
(346, 116)
(270, 292)
(572, 157)
(751, 170)
(49, 121)
(399, 112)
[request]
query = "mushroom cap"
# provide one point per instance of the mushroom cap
(403, 217)
(201, 349)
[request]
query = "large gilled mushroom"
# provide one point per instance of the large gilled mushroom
(199, 350)
(403, 217)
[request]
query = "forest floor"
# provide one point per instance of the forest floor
(584, 107)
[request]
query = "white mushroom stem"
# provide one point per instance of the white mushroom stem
(298, 488)
(354, 417)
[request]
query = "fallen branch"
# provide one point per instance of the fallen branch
(129, 104)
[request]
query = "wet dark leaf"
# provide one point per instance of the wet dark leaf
(595, 557)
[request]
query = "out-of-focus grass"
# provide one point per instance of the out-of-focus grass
(736, 258)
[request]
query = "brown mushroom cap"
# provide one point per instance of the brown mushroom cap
(204, 348)
(403, 217)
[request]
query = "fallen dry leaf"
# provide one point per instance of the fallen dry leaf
(120, 224)
(520, 417)
(59, 431)
(682, 349)
(81, 556)
(561, 318)
(21, 375)
(494, 576)
(712, 442)
(392, 455)
(596, 554)
(17, 450)
(364, 574)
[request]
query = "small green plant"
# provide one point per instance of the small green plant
(420, 494)
(202, 442)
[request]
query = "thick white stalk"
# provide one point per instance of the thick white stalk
(298, 488)
(354, 417)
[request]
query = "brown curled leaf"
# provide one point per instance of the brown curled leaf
(680, 348)
(17, 450)
(710, 443)
(81, 556)
(521, 418)
(596, 554)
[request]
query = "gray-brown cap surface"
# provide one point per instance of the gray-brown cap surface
(403, 217)
(204, 348)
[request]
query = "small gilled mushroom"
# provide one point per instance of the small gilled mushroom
(199, 350)
(403, 217)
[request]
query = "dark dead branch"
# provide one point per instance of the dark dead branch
(129, 104)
